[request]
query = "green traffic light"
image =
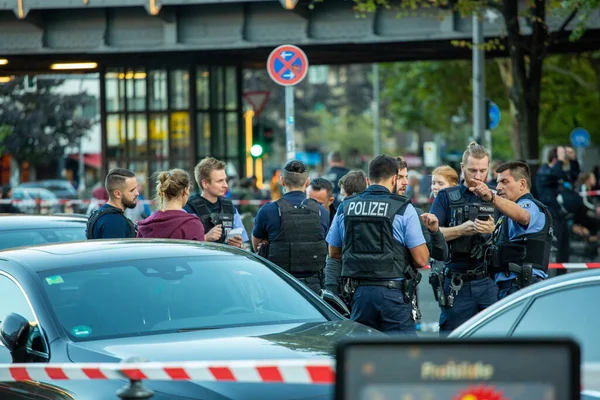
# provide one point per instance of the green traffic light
(256, 150)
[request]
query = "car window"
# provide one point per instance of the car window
(501, 324)
(12, 300)
(570, 312)
(18, 238)
(172, 294)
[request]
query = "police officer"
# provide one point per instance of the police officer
(217, 213)
(468, 288)
(438, 248)
(519, 253)
(109, 221)
(291, 231)
(374, 234)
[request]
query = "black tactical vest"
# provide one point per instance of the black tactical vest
(370, 250)
(462, 249)
(202, 208)
(532, 248)
(300, 247)
(95, 216)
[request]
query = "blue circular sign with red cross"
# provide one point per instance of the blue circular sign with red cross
(287, 65)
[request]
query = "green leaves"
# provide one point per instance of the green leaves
(37, 126)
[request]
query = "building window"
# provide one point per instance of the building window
(149, 119)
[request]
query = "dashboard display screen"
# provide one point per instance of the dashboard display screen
(463, 369)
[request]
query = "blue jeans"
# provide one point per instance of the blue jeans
(383, 309)
(473, 297)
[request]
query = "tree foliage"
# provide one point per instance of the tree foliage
(39, 124)
(433, 94)
(523, 74)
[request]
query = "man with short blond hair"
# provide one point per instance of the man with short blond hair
(217, 213)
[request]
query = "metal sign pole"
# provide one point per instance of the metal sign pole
(287, 65)
(289, 126)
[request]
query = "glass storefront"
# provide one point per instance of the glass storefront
(155, 119)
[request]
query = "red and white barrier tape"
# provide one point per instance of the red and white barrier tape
(574, 266)
(100, 202)
(317, 371)
(562, 266)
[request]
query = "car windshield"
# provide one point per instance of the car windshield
(174, 294)
(30, 237)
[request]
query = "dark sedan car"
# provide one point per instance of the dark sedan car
(563, 306)
(33, 230)
(160, 300)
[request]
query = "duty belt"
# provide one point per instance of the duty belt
(466, 276)
(389, 284)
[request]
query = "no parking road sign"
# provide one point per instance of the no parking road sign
(287, 65)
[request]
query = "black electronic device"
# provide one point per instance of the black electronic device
(458, 369)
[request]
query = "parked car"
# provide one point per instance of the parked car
(162, 300)
(34, 230)
(63, 189)
(561, 306)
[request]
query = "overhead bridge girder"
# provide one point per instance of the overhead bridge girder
(330, 31)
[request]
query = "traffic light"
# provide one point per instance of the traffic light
(263, 135)
(256, 150)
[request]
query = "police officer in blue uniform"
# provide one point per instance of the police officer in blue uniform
(466, 223)
(520, 249)
(290, 232)
(375, 233)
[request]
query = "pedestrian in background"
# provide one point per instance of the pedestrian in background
(171, 221)
(336, 170)
(354, 182)
(8, 208)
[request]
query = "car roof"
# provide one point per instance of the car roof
(545, 286)
(70, 254)
(23, 222)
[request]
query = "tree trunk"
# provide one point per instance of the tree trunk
(504, 66)
(526, 76)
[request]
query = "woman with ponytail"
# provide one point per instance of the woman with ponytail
(172, 221)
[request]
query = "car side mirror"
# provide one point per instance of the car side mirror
(335, 302)
(14, 332)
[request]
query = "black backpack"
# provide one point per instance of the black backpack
(95, 216)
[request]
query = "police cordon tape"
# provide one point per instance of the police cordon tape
(563, 266)
(315, 371)
(149, 202)
(100, 202)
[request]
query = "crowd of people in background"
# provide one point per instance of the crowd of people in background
(559, 183)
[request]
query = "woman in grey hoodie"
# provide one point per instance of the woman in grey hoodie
(172, 221)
